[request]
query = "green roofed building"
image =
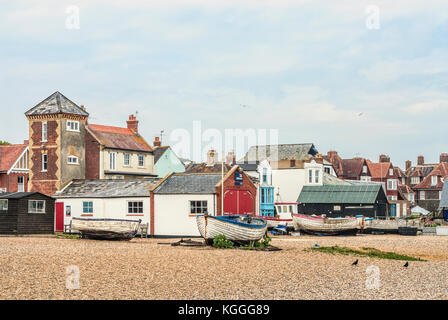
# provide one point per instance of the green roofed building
(368, 200)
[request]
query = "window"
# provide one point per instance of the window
(44, 132)
(422, 195)
(434, 180)
(316, 176)
(391, 172)
(4, 205)
(36, 206)
(198, 207)
(366, 178)
(310, 176)
(44, 162)
(415, 180)
(292, 163)
(364, 169)
(411, 197)
(135, 207)
(112, 160)
(327, 170)
(87, 207)
(72, 160)
(391, 184)
(337, 208)
(127, 160)
(72, 125)
(265, 175)
(20, 184)
(141, 160)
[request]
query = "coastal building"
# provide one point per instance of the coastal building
(14, 167)
(443, 204)
(429, 190)
(166, 160)
(26, 213)
(110, 198)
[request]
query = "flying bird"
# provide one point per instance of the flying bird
(360, 114)
(244, 105)
(406, 264)
(355, 263)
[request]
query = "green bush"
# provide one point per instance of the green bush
(221, 242)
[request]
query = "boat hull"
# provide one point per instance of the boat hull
(107, 229)
(316, 225)
(234, 228)
(275, 222)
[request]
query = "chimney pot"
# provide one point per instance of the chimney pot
(420, 160)
(408, 164)
(132, 123)
(157, 142)
(384, 158)
(212, 158)
(444, 157)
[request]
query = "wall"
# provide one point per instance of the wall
(119, 162)
(72, 143)
(93, 157)
(167, 163)
(290, 182)
(10, 181)
(172, 214)
(36, 223)
(8, 219)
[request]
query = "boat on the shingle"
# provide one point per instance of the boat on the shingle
(106, 229)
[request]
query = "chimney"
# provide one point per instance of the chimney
(420, 160)
(230, 158)
(212, 158)
(384, 158)
(408, 164)
(132, 123)
(82, 107)
(444, 157)
(157, 142)
(26, 142)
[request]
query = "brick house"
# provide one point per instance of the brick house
(428, 191)
(14, 167)
(384, 172)
(416, 174)
(118, 153)
(56, 143)
(349, 169)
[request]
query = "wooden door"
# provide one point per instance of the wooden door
(231, 202)
(245, 202)
(59, 216)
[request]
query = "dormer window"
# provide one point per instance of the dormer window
(72, 125)
(391, 172)
(434, 180)
(364, 169)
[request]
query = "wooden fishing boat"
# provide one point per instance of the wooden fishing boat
(323, 225)
(238, 228)
(107, 229)
(274, 222)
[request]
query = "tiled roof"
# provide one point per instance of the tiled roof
(113, 188)
(158, 152)
(9, 154)
(400, 173)
(379, 169)
(352, 167)
(181, 183)
(54, 104)
(17, 195)
(441, 171)
(299, 151)
(335, 160)
(444, 198)
(118, 138)
(343, 194)
(405, 188)
(203, 168)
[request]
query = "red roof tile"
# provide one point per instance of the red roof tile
(441, 171)
(119, 138)
(9, 154)
(352, 167)
(379, 169)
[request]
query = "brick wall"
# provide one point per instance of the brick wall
(92, 157)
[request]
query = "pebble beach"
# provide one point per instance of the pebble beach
(38, 268)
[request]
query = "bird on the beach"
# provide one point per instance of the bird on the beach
(355, 263)
(406, 264)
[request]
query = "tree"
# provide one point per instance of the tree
(4, 143)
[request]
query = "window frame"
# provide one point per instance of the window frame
(74, 122)
(316, 176)
(135, 210)
(72, 157)
(2, 208)
(44, 163)
(89, 208)
(112, 155)
(44, 132)
(195, 210)
(434, 180)
(30, 209)
(422, 195)
(128, 156)
(141, 157)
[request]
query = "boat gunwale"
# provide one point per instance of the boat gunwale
(302, 216)
(246, 225)
(105, 219)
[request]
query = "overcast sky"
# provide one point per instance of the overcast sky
(311, 69)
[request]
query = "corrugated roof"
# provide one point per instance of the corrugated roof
(444, 197)
(54, 104)
(9, 155)
(298, 151)
(360, 194)
(118, 138)
(181, 183)
(115, 188)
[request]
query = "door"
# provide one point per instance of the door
(238, 202)
(231, 202)
(59, 216)
(245, 203)
(20, 184)
(392, 210)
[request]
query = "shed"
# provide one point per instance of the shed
(107, 198)
(26, 213)
(343, 200)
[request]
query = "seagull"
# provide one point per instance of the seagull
(360, 114)
(355, 263)
(406, 264)
(244, 105)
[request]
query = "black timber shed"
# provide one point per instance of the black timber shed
(26, 213)
(344, 200)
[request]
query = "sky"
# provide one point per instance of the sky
(360, 77)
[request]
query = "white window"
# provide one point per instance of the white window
(422, 195)
(391, 184)
(316, 176)
(44, 162)
(403, 180)
(310, 176)
(366, 178)
(72, 125)
(36, 206)
(391, 172)
(135, 207)
(411, 197)
(127, 160)
(20, 184)
(4, 205)
(72, 160)
(434, 180)
(112, 160)
(141, 160)
(44, 132)
(364, 169)
(198, 207)
(415, 180)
